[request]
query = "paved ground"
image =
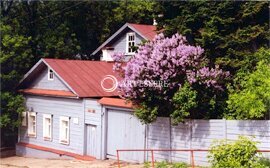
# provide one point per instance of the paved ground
(22, 162)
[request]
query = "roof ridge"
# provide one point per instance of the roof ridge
(142, 24)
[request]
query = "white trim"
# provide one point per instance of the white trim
(50, 71)
(24, 119)
(32, 124)
(129, 34)
(63, 140)
(48, 136)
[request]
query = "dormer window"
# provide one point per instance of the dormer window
(130, 43)
(50, 74)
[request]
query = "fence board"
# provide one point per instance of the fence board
(199, 134)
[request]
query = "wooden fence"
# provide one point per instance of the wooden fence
(199, 134)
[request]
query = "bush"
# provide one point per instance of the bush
(164, 164)
(241, 154)
(265, 162)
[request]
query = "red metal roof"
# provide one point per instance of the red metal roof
(46, 92)
(148, 31)
(84, 77)
(115, 102)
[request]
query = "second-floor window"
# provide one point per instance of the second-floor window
(130, 43)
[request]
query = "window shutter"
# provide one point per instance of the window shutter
(24, 119)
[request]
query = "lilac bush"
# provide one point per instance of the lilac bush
(171, 60)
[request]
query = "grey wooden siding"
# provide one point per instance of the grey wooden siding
(42, 82)
(93, 115)
(199, 134)
(120, 44)
(72, 108)
(124, 131)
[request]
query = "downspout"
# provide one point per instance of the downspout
(84, 131)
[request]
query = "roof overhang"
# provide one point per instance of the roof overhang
(116, 102)
(47, 92)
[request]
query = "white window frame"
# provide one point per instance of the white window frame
(24, 119)
(50, 74)
(47, 127)
(64, 139)
(128, 41)
(32, 132)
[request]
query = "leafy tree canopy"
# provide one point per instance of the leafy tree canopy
(165, 76)
(249, 97)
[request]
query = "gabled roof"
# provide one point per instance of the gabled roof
(83, 78)
(147, 32)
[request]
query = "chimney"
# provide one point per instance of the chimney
(107, 53)
(154, 22)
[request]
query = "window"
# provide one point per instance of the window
(47, 127)
(24, 119)
(32, 129)
(50, 74)
(64, 130)
(130, 43)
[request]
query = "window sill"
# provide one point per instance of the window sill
(47, 139)
(64, 142)
(32, 135)
(129, 54)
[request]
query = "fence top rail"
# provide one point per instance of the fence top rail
(183, 150)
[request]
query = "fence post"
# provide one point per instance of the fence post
(192, 159)
(153, 160)
(118, 160)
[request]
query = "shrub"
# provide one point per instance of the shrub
(179, 165)
(164, 164)
(265, 162)
(241, 154)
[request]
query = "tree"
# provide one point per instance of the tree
(166, 72)
(249, 97)
(15, 59)
(230, 31)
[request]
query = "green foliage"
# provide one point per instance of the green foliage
(146, 164)
(15, 59)
(229, 31)
(12, 107)
(179, 165)
(184, 101)
(135, 11)
(241, 153)
(162, 164)
(265, 162)
(146, 113)
(250, 97)
(165, 164)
